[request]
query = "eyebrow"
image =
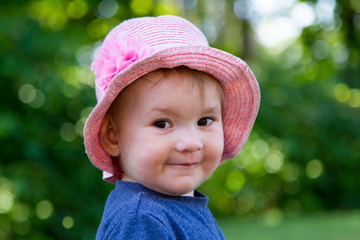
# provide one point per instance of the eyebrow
(209, 110)
(215, 109)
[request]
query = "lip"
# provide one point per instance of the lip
(190, 164)
(187, 164)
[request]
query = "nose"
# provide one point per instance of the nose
(188, 141)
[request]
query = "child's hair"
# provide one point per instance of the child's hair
(139, 46)
(198, 78)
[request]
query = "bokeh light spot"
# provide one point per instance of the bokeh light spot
(235, 181)
(98, 28)
(6, 200)
(27, 93)
(108, 8)
(166, 7)
(245, 203)
(49, 13)
(141, 7)
(314, 169)
(290, 172)
(39, 99)
(354, 100)
(76, 9)
(277, 33)
(273, 217)
(68, 132)
(6, 196)
(325, 13)
(274, 162)
(85, 112)
(68, 222)
(340, 53)
(259, 148)
(225, 204)
(270, 7)
(84, 55)
(242, 9)
(44, 209)
(303, 14)
(320, 50)
(20, 212)
(79, 126)
(209, 28)
(342, 92)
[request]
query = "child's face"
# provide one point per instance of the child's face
(169, 132)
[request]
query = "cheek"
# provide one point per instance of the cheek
(215, 150)
(145, 153)
(216, 143)
(153, 149)
(212, 160)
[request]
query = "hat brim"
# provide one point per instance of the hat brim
(241, 93)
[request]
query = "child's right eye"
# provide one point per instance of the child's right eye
(162, 124)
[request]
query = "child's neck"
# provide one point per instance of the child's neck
(190, 194)
(128, 179)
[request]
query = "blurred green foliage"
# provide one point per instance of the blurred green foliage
(323, 226)
(303, 155)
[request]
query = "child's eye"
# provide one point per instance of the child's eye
(204, 121)
(162, 124)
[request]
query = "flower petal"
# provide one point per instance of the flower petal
(117, 53)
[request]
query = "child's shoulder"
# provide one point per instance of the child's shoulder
(129, 197)
(130, 210)
(133, 225)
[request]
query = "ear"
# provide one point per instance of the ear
(109, 137)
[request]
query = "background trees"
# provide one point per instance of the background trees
(303, 155)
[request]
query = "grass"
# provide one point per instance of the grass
(327, 226)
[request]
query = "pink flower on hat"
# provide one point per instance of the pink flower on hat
(116, 54)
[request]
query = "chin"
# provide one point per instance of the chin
(182, 190)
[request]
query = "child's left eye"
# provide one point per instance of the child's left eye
(204, 121)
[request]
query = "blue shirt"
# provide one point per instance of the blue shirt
(133, 211)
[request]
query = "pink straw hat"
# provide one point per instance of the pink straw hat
(141, 45)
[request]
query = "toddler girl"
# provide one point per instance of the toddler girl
(170, 110)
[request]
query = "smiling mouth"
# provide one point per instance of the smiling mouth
(185, 164)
